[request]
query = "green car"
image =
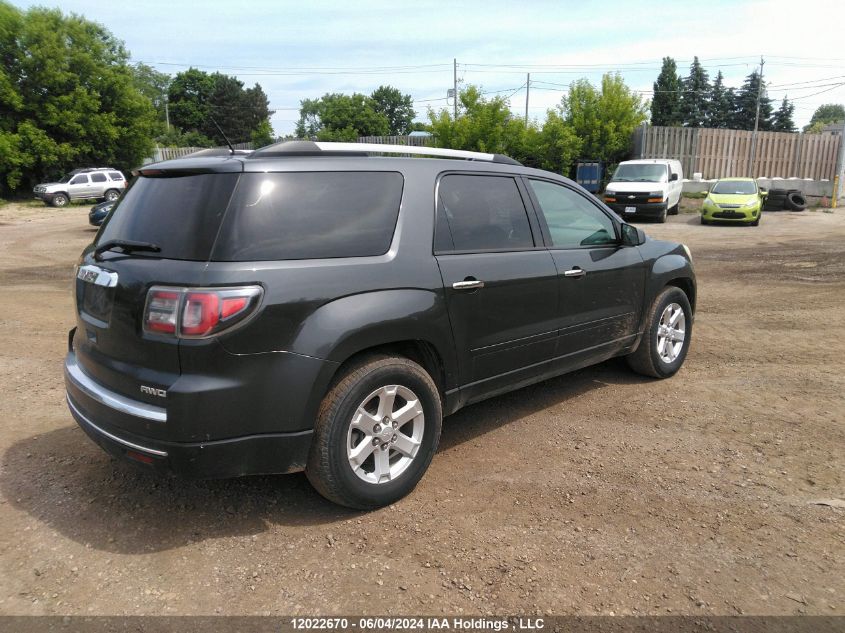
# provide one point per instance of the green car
(737, 200)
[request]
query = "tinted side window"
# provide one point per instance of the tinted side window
(98, 177)
(114, 175)
(481, 213)
(309, 215)
(572, 219)
(81, 179)
(181, 214)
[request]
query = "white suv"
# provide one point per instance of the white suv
(102, 183)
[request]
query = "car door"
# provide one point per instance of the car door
(79, 187)
(500, 281)
(601, 282)
(98, 184)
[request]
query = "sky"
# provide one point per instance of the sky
(299, 50)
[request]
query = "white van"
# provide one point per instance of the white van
(649, 187)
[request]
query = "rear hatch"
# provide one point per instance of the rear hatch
(178, 213)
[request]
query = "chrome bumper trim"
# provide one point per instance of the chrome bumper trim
(109, 398)
(81, 416)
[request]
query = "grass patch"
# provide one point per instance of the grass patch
(695, 195)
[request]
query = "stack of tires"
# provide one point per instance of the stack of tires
(785, 200)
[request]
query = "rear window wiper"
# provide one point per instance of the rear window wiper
(126, 245)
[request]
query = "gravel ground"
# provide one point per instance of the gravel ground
(594, 493)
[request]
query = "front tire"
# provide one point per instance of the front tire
(376, 433)
(59, 200)
(666, 339)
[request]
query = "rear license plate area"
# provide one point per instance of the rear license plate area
(630, 209)
(97, 302)
(95, 294)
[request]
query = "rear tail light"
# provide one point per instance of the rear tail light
(198, 312)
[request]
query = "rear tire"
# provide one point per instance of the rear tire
(659, 354)
(59, 200)
(369, 448)
(112, 195)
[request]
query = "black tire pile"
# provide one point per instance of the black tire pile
(785, 200)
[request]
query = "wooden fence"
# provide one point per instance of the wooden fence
(167, 153)
(725, 153)
(412, 141)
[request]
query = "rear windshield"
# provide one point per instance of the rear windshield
(261, 216)
(303, 215)
(180, 215)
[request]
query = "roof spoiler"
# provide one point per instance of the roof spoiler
(311, 148)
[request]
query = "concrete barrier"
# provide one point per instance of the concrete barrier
(810, 188)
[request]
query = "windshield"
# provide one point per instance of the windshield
(65, 178)
(735, 187)
(641, 173)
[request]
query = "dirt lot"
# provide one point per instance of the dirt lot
(598, 492)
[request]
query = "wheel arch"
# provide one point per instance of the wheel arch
(686, 285)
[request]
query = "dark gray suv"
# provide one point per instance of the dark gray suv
(312, 306)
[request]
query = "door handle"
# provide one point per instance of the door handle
(575, 272)
(468, 284)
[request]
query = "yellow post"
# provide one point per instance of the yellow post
(833, 200)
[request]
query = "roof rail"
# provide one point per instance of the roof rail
(319, 148)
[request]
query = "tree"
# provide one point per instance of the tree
(153, 85)
(782, 118)
(67, 97)
(198, 99)
(339, 117)
(720, 112)
(398, 108)
(824, 115)
(666, 104)
(555, 146)
(695, 98)
(604, 120)
(745, 105)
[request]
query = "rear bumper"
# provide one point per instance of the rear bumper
(96, 409)
(643, 210)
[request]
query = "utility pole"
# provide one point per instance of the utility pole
(167, 113)
(753, 155)
(455, 84)
(527, 90)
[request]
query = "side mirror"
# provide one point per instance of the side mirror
(763, 191)
(673, 177)
(632, 235)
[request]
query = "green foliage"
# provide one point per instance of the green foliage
(340, 117)
(398, 108)
(153, 85)
(603, 119)
(262, 135)
(176, 138)
(68, 97)
(487, 125)
(197, 99)
(720, 110)
(666, 104)
(695, 98)
(824, 115)
(782, 118)
(745, 105)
